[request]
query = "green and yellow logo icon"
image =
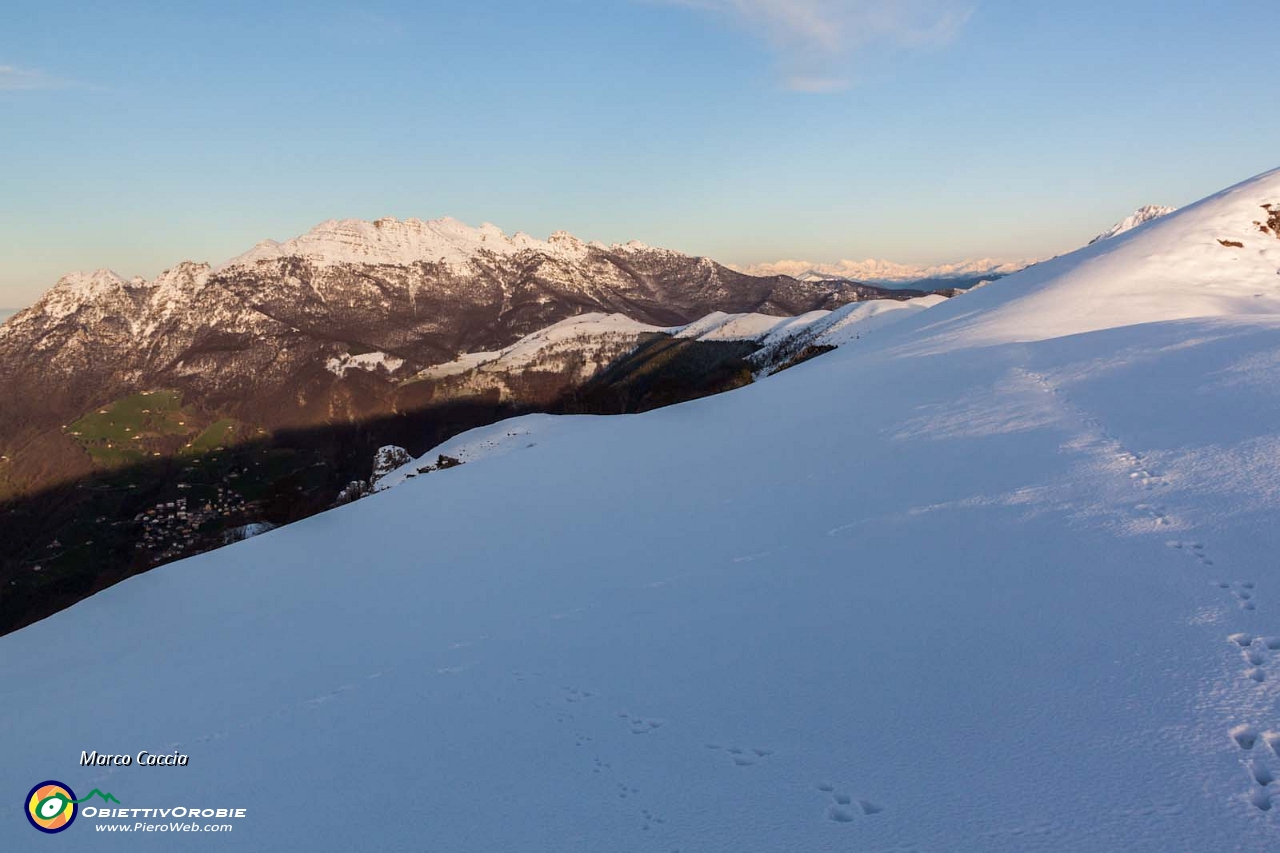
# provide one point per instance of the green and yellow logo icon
(52, 806)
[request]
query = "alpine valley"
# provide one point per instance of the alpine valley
(155, 419)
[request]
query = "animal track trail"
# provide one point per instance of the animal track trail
(1244, 593)
(742, 756)
(845, 808)
(1260, 750)
(646, 818)
(1193, 549)
(1262, 764)
(591, 731)
(640, 725)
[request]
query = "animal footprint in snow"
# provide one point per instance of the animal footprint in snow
(573, 694)
(640, 725)
(844, 807)
(742, 756)
(1242, 590)
(1245, 736)
(1254, 655)
(1262, 774)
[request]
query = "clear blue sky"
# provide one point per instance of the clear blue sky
(138, 135)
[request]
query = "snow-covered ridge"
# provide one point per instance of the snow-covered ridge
(574, 333)
(719, 326)
(1140, 216)
(831, 328)
(874, 271)
(1210, 259)
(589, 335)
(169, 290)
(408, 241)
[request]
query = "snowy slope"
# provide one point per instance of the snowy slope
(839, 327)
(1002, 577)
(1214, 259)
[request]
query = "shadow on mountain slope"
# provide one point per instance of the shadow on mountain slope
(64, 542)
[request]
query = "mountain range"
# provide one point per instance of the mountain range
(997, 574)
(325, 326)
(158, 417)
(960, 274)
(255, 391)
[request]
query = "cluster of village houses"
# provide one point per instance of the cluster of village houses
(169, 528)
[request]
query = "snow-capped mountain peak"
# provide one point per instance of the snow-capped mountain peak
(408, 241)
(76, 288)
(385, 241)
(1141, 216)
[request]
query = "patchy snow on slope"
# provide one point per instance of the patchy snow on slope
(960, 587)
(719, 326)
(462, 364)
(373, 362)
(587, 341)
(573, 329)
(835, 328)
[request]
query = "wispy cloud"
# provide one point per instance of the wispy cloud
(816, 41)
(14, 79)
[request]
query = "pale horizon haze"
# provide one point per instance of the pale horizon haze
(748, 131)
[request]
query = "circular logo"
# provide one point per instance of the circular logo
(51, 806)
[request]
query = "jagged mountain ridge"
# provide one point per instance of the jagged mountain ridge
(257, 331)
(152, 419)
